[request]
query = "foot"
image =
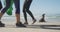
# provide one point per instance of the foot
(34, 21)
(1, 24)
(20, 24)
(42, 21)
(26, 23)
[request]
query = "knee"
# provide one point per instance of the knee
(5, 9)
(24, 10)
(27, 9)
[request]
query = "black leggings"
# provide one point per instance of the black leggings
(17, 6)
(26, 9)
(0, 5)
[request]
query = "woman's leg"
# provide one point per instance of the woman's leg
(17, 13)
(4, 10)
(29, 12)
(25, 15)
(24, 12)
(0, 5)
(17, 6)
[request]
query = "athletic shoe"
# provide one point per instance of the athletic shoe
(26, 23)
(34, 21)
(1, 24)
(20, 24)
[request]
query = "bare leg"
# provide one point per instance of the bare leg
(18, 18)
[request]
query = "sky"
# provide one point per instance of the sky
(39, 7)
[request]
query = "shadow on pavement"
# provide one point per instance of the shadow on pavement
(55, 27)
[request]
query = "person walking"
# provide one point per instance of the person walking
(26, 10)
(17, 6)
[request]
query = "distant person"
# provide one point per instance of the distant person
(26, 10)
(43, 18)
(17, 6)
(0, 5)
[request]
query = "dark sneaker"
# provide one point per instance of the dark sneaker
(20, 25)
(1, 24)
(34, 21)
(26, 23)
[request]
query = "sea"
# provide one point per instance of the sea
(48, 18)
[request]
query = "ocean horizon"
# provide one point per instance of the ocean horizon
(49, 18)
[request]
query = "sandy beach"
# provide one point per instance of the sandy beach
(26, 30)
(51, 28)
(51, 9)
